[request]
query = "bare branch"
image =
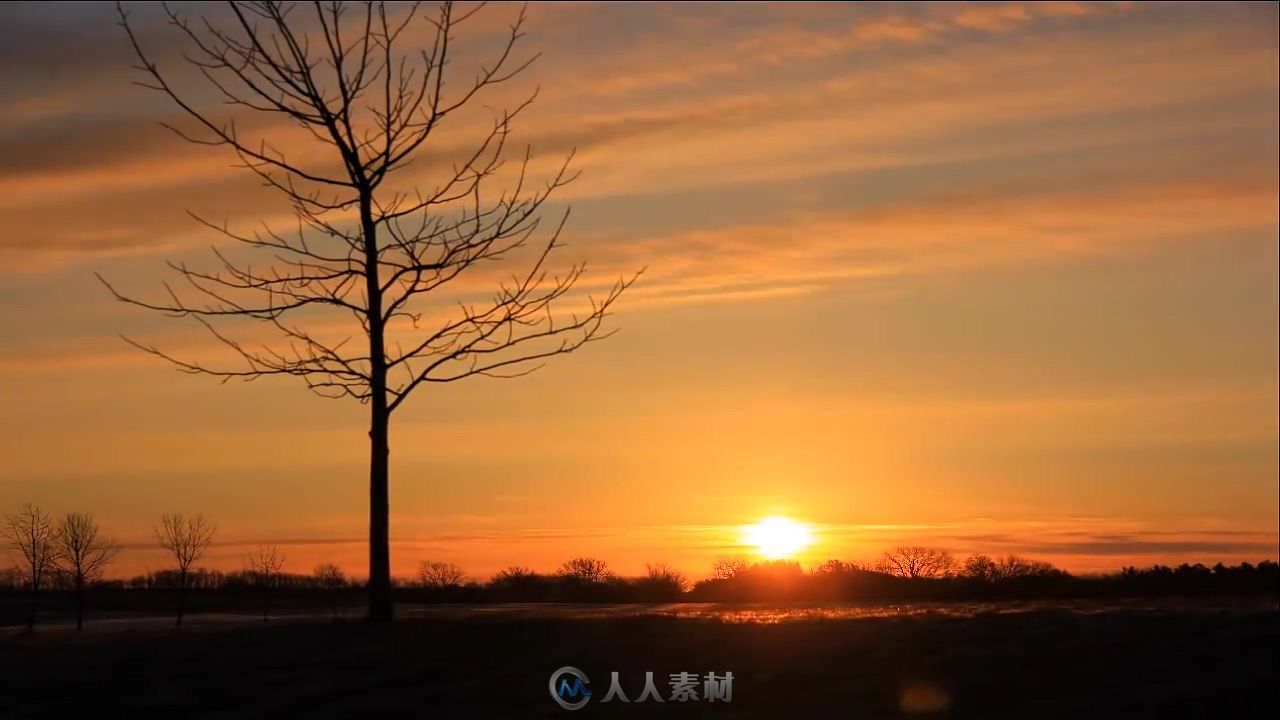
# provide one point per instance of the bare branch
(32, 534)
(186, 539)
(367, 260)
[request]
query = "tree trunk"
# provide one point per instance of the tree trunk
(182, 595)
(31, 612)
(79, 604)
(380, 603)
(381, 608)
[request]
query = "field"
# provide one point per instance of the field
(988, 662)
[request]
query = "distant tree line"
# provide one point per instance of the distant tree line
(909, 573)
(60, 561)
(56, 555)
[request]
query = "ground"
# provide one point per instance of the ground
(1035, 662)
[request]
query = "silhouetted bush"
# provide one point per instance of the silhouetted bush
(661, 583)
(833, 581)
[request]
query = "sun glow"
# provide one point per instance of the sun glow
(777, 537)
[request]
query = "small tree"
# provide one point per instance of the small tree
(1013, 566)
(439, 574)
(517, 582)
(186, 539)
(82, 555)
(513, 574)
(586, 569)
(32, 534)
(726, 568)
(662, 582)
(265, 565)
(982, 567)
(914, 561)
(330, 578)
(833, 567)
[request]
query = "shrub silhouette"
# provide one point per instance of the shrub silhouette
(916, 561)
(439, 574)
(661, 583)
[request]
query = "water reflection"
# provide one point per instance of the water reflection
(773, 613)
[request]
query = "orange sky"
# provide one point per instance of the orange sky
(996, 278)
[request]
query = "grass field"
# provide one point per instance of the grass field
(1036, 663)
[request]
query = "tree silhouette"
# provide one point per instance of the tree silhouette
(265, 565)
(439, 574)
(981, 567)
(586, 569)
(32, 533)
(834, 567)
(365, 248)
(1013, 566)
(726, 568)
(186, 539)
(82, 555)
(915, 561)
(517, 582)
(662, 582)
(331, 578)
(513, 574)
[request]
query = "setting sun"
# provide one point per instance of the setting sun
(777, 537)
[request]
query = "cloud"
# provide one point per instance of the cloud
(809, 254)
(1164, 544)
(258, 542)
(993, 18)
(755, 42)
(938, 234)
(1081, 544)
(87, 182)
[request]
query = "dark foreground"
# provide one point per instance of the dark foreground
(1044, 663)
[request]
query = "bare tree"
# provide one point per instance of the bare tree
(834, 567)
(186, 539)
(513, 574)
(32, 534)
(725, 568)
(439, 574)
(663, 582)
(586, 569)
(517, 581)
(265, 565)
(82, 554)
(1013, 566)
(914, 561)
(328, 575)
(982, 567)
(331, 578)
(365, 248)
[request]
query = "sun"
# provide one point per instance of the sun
(777, 538)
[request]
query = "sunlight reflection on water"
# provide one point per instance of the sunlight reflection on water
(774, 613)
(759, 614)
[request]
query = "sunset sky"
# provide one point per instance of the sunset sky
(993, 278)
